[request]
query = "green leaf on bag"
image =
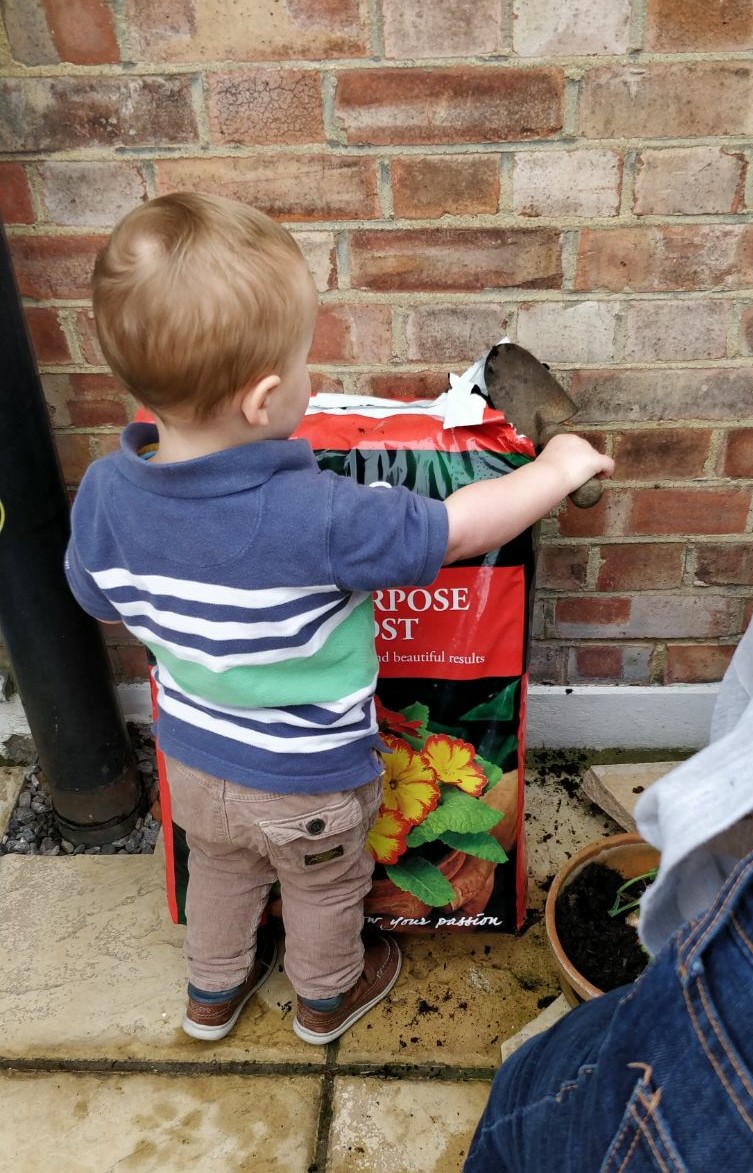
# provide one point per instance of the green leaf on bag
(492, 771)
(482, 845)
(500, 707)
(456, 812)
(423, 880)
(417, 712)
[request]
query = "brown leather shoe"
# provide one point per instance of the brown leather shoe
(381, 965)
(213, 1021)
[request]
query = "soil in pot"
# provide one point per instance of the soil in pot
(605, 949)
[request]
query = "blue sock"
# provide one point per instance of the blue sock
(211, 997)
(324, 1005)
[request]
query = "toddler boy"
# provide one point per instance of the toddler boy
(248, 574)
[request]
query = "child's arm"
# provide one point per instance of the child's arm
(490, 513)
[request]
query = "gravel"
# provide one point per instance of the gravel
(32, 829)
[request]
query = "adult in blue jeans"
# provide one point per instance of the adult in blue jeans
(658, 1075)
(653, 1076)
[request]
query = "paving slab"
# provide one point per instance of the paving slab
(403, 1126)
(11, 781)
(82, 1123)
(617, 788)
(93, 969)
(456, 999)
(551, 1014)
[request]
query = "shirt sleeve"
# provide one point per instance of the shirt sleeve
(84, 589)
(381, 536)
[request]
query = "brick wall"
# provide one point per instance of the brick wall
(576, 173)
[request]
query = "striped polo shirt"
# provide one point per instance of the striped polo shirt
(248, 575)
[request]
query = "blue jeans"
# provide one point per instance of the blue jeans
(653, 1076)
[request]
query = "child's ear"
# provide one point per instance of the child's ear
(255, 398)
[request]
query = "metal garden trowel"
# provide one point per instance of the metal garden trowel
(533, 402)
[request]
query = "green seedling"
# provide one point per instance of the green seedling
(629, 894)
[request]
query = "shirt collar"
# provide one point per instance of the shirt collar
(229, 471)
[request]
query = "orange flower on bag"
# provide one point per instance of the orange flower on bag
(410, 784)
(386, 839)
(395, 722)
(452, 762)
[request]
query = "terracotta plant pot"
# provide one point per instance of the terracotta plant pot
(627, 854)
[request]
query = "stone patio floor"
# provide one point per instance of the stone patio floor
(96, 1075)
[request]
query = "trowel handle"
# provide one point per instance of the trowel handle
(588, 494)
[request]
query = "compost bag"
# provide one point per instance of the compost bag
(449, 841)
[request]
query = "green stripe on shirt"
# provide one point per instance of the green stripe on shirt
(345, 664)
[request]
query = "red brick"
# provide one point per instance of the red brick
(223, 30)
(667, 100)
(99, 400)
(727, 565)
(426, 187)
(561, 568)
(88, 340)
(86, 401)
(696, 663)
(591, 615)
(320, 254)
(75, 453)
(579, 332)
(323, 382)
(662, 453)
(474, 105)
(353, 333)
(672, 329)
(660, 259)
(49, 341)
(634, 396)
(67, 191)
(55, 114)
(289, 187)
(738, 460)
(689, 511)
(680, 26)
(637, 566)
(456, 259)
(454, 28)
(650, 615)
(546, 663)
(455, 334)
(102, 443)
(689, 181)
(418, 384)
(266, 106)
(28, 34)
(599, 520)
(570, 27)
(747, 615)
(54, 266)
(83, 31)
(567, 183)
(597, 662)
(15, 195)
(746, 328)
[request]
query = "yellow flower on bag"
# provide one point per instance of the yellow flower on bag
(386, 839)
(452, 762)
(410, 784)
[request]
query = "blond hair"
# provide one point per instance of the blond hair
(195, 296)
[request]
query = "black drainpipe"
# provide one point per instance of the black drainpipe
(56, 652)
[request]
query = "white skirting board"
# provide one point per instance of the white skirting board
(675, 716)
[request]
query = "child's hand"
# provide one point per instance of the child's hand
(575, 460)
